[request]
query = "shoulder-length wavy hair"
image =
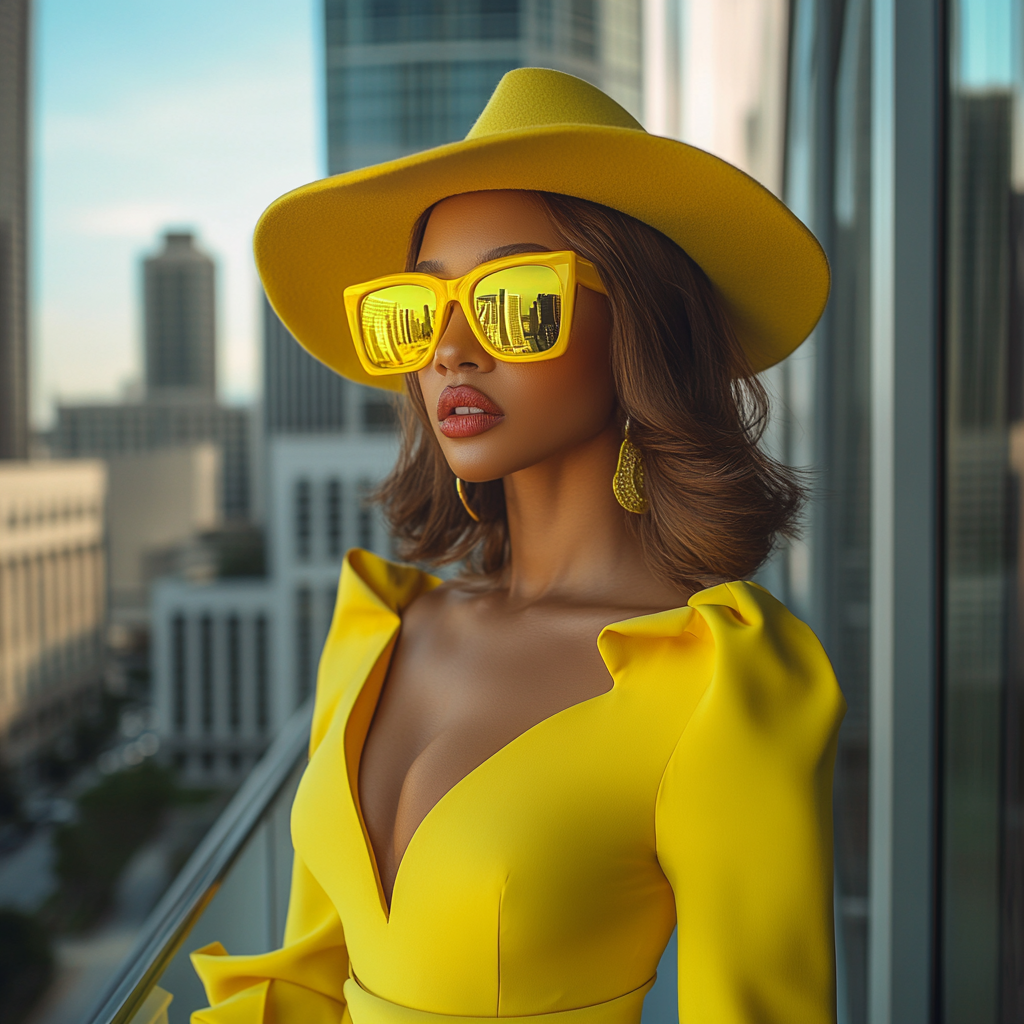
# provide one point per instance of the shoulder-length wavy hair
(697, 413)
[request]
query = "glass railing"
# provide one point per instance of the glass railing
(234, 889)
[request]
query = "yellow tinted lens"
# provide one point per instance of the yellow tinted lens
(398, 325)
(520, 309)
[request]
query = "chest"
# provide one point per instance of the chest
(452, 698)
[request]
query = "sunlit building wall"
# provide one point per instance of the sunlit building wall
(715, 76)
(15, 16)
(158, 502)
(52, 598)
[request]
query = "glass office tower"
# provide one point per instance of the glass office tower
(404, 75)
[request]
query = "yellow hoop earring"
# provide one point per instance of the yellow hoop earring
(460, 489)
(628, 482)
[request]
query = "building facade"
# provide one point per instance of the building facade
(107, 430)
(403, 76)
(15, 18)
(300, 394)
(179, 292)
(52, 599)
(232, 659)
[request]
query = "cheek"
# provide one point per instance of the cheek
(588, 359)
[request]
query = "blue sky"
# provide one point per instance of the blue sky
(149, 114)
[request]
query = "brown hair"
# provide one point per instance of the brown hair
(697, 413)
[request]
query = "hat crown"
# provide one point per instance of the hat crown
(537, 97)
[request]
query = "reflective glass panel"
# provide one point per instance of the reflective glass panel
(982, 859)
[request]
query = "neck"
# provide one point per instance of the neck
(568, 535)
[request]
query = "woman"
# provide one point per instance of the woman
(521, 780)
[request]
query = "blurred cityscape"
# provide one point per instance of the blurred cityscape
(169, 560)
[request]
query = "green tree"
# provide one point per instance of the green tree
(114, 819)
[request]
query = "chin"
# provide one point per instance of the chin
(489, 456)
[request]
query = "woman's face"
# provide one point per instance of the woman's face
(531, 411)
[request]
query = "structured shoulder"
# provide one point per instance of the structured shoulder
(771, 676)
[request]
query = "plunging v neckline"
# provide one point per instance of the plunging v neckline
(353, 768)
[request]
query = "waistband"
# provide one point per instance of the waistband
(366, 1008)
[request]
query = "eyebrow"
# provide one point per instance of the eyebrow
(437, 266)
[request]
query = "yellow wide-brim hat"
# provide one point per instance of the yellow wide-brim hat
(547, 131)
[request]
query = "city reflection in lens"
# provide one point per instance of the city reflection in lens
(398, 324)
(520, 309)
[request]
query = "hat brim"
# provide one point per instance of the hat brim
(767, 267)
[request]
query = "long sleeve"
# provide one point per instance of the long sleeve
(744, 821)
(302, 981)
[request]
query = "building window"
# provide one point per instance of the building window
(334, 518)
(303, 519)
(234, 674)
(262, 709)
(365, 517)
(303, 643)
(179, 673)
(544, 19)
(206, 671)
(584, 28)
(378, 414)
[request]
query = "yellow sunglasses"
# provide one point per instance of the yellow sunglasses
(519, 308)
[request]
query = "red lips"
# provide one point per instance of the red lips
(465, 423)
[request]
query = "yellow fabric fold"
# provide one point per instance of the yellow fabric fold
(303, 981)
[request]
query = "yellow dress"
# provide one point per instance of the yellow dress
(697, 791)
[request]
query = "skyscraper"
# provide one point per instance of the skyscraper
(403, 75)
(180, 316)
(180, 406)
(300, 395)
(14, 88)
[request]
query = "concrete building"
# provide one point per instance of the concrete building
(180, 321)
(301, 395)
(232, 659)
(52, 598)
(107, 430)
(158, 502)
(15, 17)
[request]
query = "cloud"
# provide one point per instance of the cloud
(137, 220)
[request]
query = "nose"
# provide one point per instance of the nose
(459, 349)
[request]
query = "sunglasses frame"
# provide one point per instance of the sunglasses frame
(571, 269)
